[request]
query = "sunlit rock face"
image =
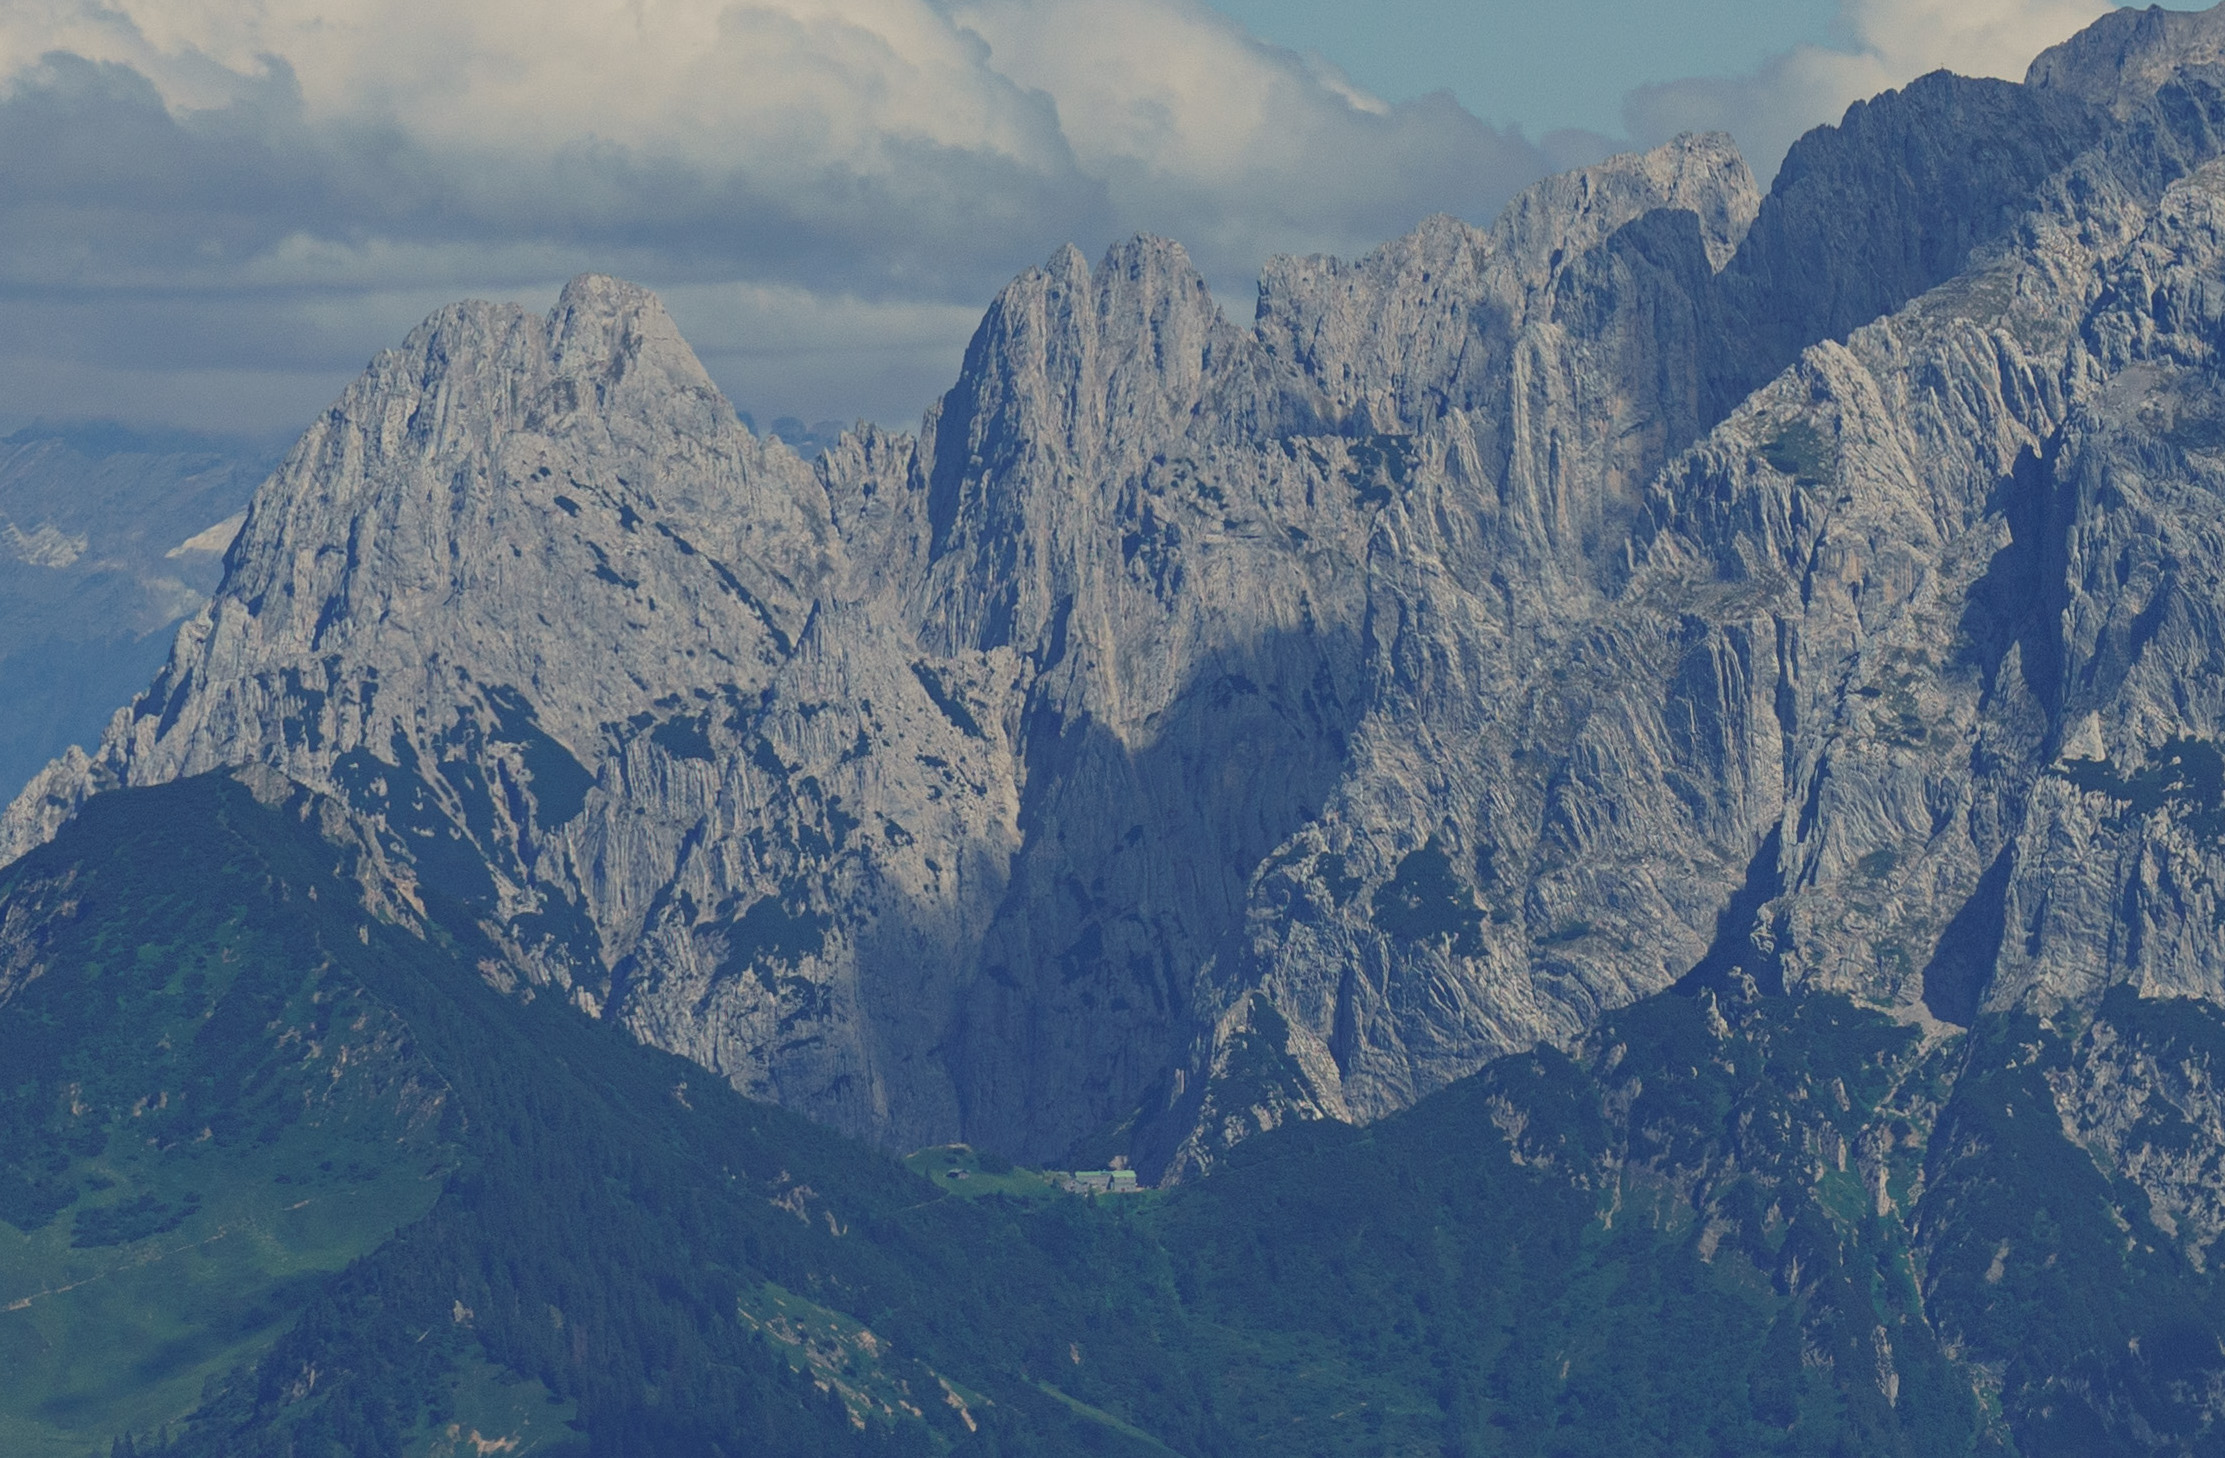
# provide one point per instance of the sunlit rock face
(1203, 724)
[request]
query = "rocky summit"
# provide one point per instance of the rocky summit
(1201, 725)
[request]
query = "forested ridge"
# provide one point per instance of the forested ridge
(1731, 1223)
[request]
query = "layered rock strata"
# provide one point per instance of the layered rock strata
(1200, 725)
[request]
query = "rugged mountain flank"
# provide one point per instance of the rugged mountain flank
(1201, 725)
(281, 1177)
(916, 791)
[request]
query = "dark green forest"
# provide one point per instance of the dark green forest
(281, 1178)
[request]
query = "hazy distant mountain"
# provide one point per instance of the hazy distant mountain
(108, 540)
(808, 441)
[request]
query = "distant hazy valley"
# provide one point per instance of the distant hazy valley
(107, 541)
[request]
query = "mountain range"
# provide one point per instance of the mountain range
(1593, 763)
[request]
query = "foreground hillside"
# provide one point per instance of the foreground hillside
(282, 1178)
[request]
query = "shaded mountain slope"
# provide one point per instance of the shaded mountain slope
(1732, 1222)
(1498, 628)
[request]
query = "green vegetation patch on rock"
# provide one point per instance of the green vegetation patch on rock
(1425, 900)
(1800, 451)
(2184, 775)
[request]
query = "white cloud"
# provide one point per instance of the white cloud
(1169, 87)
(1237, 147)
(1894, 42)
(1911, 38)
(793, 80)
(296, 160)
(1150, 101)
(828, 189)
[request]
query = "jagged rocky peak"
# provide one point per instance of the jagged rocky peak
(2124, 58)
(611, 333)
(1076, 359)
(1072, 380)
(1199, 726)
(1997, 791)
(508, 505)
(463, 485)
(1701, 173)
(1892, 202)
(1383, 336)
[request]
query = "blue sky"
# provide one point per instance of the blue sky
(1542, 64)
(219, 209)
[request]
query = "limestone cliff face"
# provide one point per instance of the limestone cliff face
(1202, 724)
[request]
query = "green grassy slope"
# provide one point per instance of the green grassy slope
(199, 1121)
(329, 1193)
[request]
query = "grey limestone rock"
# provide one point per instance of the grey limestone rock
(2125, 59)
(1201, 724)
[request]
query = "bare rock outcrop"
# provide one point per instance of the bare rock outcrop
(1202, 724)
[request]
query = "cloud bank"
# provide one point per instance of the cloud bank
(1893, 42)
(236, 190)
(216, 209)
